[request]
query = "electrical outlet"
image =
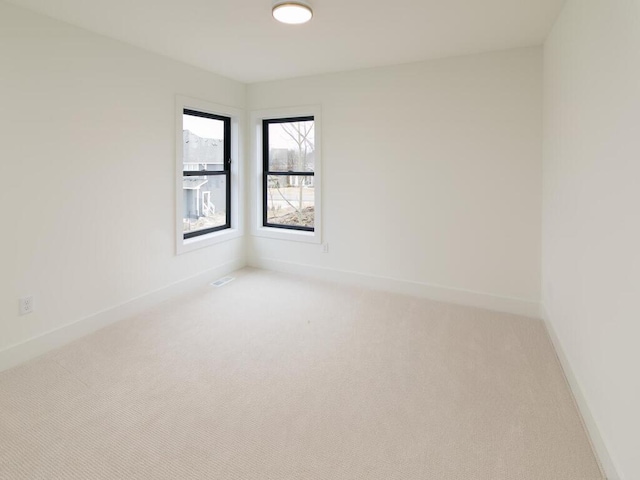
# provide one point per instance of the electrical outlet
(325, 248)
(26, 305)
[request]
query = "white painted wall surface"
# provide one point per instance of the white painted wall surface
(591, 220)
(87, 155)
(432, 173)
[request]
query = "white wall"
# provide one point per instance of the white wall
(591, 227)
(87, 149)
(432, 175)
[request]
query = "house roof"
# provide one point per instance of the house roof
(197, 149)
(193, 183)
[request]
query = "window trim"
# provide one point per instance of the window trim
(235, 190)
(257, 184)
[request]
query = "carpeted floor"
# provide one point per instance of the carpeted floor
(276, 377)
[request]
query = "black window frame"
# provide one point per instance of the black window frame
(266, 173)
(226, 171)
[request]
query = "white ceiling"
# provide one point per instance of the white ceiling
(239, 38)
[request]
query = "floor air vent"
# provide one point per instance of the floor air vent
(222, 281)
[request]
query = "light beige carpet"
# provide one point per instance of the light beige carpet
(275, 377)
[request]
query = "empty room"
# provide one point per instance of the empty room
(320, 239)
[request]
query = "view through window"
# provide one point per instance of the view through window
(288, 173)
(206, 182)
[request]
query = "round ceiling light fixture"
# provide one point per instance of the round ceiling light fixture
(292, 12)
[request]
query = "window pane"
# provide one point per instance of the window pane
(203, 143)
(205, 202)
(291, 146)
(290, 200)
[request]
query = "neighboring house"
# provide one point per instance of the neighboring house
(202, 194)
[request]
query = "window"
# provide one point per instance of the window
(208, 177)
(288, 173)
(286, 181)
(206, 160)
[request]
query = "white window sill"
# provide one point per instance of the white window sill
(285, 234)
(207, 240)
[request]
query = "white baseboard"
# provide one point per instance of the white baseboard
(470, 298)
(36, 346)
(597, 442)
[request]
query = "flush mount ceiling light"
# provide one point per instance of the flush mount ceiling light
(292, 12)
